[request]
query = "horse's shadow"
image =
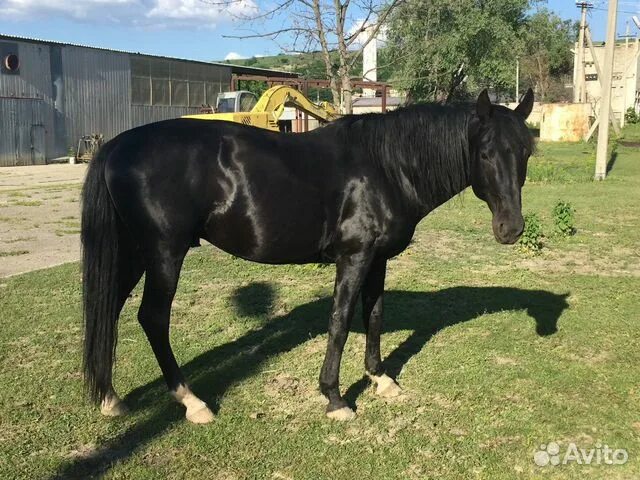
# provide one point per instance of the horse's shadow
(213, 372)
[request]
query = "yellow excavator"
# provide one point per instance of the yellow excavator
(266, 112)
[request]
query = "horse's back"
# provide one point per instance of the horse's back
(253, 193)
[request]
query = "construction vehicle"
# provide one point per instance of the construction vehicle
(266, 112)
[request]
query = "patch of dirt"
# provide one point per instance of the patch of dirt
(89, 451)
(582, 263)
(499, 360)
(493, 443)
(39, 217)
(282, 384)
(590, 357)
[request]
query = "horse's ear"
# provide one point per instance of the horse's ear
(526, 105)
(483, 105)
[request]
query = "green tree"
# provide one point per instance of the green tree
(548, 57)
(339, 30)
(256, 87)
(442, 48)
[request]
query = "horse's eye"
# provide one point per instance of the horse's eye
(484, 156)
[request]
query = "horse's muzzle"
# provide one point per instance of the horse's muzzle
(507, 228)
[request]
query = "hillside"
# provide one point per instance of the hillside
(309, 65)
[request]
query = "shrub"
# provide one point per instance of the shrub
(531, 239)
(631, 116)
(564, 219)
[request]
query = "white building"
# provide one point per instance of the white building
(625, 92)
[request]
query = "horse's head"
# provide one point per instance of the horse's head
(500, 145)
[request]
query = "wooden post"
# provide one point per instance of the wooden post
(384, 99)
(305, 91)
(603, 131)
(517, 79)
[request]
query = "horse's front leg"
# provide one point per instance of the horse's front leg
(350, 274)
(372, 307)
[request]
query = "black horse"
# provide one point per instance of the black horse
(350, 193)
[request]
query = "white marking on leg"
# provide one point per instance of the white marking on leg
(112, 406)
(342, 414)
(385, 385)
(197, 410)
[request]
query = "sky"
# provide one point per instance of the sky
(196, 29)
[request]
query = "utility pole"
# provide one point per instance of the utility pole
(517, 79)
(580, 94)
(605, 109)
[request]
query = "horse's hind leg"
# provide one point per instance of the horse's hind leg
(163, 269)
(130, 270)
(372, 306)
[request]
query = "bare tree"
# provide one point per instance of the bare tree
(339, 29)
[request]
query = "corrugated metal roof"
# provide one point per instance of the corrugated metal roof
(229, 65)
(376, 101)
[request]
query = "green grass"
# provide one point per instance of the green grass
(632, 132)
(562, 163)
(13, 253)
(26, 203)
(18, 194)
(497, 353)
(71, 231)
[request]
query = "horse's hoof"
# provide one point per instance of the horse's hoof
(113, 407)
(342, 414)
(389, 391)
(200, 416)
(386, 386)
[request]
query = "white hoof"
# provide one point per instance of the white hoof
(386, 386)
(342, 414)
(204, 415)
(197, 410)
(112, 406)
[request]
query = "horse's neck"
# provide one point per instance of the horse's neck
(447, 185)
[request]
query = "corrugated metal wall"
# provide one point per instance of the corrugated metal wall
(22, 131)
(143, 114)
(97, 88)
(63, 92)
(33, 82)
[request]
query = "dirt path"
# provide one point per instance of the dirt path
(39, 217)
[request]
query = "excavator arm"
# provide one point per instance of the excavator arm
(271, 105)
(275, 99)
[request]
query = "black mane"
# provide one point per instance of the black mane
(423, 149)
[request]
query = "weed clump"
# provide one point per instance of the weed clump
(531, 239)
(563, 217)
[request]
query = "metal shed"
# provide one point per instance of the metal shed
(51, 94)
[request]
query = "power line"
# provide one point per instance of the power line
(619, 11)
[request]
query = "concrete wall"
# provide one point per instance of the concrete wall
(536, 113)
(564, 122)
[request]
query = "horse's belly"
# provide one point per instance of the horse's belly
(280, 230)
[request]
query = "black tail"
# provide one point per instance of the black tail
(99, 236)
